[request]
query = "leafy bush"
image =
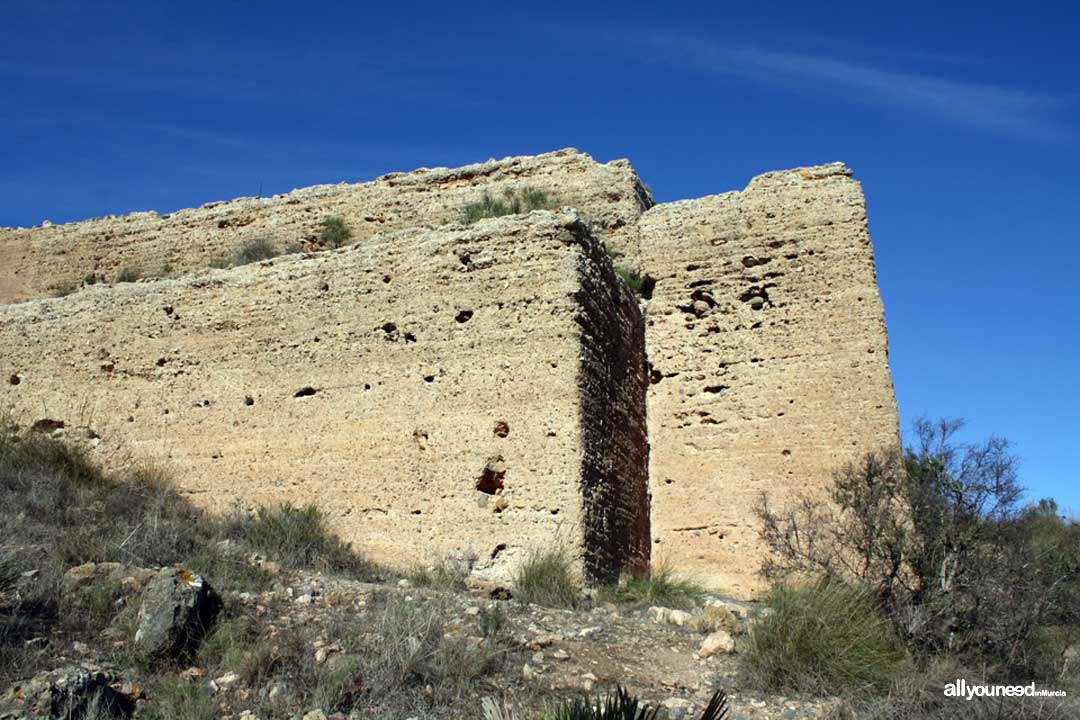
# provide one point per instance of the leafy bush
(547, 577)
(659, 585)
(959, 567)
(826, 636)
(334, 232)
(525, 199)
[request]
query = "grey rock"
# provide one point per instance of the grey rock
(72, 692)
(177, 609)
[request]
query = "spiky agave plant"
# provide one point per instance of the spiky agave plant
(623, 706)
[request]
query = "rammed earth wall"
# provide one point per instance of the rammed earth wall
(769, 354)
(435, 391)
(437, 387)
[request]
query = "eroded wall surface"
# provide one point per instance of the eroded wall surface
(769, 356)
(431, 389)
(401, 381)
(40, 262)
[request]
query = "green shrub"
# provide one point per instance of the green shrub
(938, 532)
(641, 285)
(251, 251)
(659, 586)
(128, 274)
(65, 288)
(826, 637)
(525, 199)
(255, 250)
(296, 536)
(547, 577)
(334, 232)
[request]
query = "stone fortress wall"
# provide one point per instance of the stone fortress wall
(438, 387)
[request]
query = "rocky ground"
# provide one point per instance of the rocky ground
(329, 646)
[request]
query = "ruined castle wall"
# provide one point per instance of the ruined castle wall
(769, 358)
(43, 261)
(431, 389)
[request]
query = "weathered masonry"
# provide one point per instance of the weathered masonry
(767, 340)
(438, 387)
(434, 391)
(36, 262)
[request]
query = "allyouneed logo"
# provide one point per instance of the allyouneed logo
(961, 688)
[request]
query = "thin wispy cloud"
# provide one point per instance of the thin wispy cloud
(989, 106)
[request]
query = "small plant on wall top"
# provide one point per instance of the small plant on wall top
(334, 232)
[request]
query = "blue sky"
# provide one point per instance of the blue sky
(961, 122)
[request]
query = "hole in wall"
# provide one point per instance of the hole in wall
(47, 425)
(306, 391)
(248, 400)
(498, 549)
(502, 429)
(464, 316)
(716, 388)
(14, 379)
(750, 261)
(492, 477)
